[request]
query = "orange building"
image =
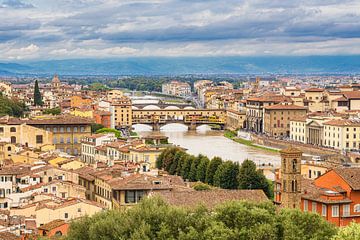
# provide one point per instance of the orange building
(335, 196)
(103, 118)
(79, 101)
(54, 228)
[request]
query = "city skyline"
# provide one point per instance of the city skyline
(43, 30)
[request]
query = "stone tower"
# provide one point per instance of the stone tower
(290, 177)
(55, 83)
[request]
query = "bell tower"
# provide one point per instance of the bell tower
(290, 177)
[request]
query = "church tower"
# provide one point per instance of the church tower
(290, 177)
(55, 83)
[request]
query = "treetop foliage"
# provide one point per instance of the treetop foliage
(219, 173)
(153, 218)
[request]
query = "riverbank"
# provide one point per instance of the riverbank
(233, 136)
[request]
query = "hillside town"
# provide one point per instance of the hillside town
(74, 152)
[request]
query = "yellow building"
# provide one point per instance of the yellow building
(66, 163)
(79, 101)
(277, 118)
(235, 120)
(66, 210)
(67, 131)
(315, 101)
(86, 112)
(342, 134)
(6, 150)
(113, 94)
(121, 112)
(16, 131)
(313, 170)
(25, 156)
(145, 155)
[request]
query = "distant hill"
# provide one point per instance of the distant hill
(188, 65)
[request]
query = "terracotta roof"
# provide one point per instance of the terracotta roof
(8, 236)
(340, 99)
(285, 107)
(52, 225)
(298, 119)
(351, 175)
(60, 120)
(343, 122)
(314, 90)
(141, 182)
(290, 149)
(211, 198)
(352, 94)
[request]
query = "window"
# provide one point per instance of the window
(68, 140)
(324, 210)
(346, 210)
(12, 129)
(62, 140)
(61, 129)
(54, 140)
(1, 129)
(79, 210)
(66, 215)
(313, 207)
(75, 140)
(133, 196)
(335, 211)
(55, 129)
(82, 129)
(54, 189)
(305, 205)
(45, 190)
(13, 139)
(75, 129)
(39, 139)
(68, 129)
(357, 208)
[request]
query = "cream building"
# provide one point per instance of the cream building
(121, 112)
(342, 134)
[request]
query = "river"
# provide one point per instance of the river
(211, 143)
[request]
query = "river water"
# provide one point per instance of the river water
(211, 143)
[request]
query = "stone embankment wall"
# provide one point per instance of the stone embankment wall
(306, 148)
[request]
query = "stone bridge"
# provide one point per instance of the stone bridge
(190, 117)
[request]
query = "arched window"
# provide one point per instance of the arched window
(12, 129)
(357, 208)
(68, 140)
(13, 139)
(294, 165)
(55, 129)
(75, 129)
(294, 186)
(68, 129)
(75, 140)
(68, 151)
(61, 129)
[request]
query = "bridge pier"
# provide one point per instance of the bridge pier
(156, 127)
(192, 127)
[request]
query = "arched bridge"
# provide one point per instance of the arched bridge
(190, 117)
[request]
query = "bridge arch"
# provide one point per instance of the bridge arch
(151, 107)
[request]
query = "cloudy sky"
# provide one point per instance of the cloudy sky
(62, 29)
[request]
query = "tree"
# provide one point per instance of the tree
(153, 218)
(210, 172)
(37, 95)
(177, 159)
(226, 175)
(181, 163)
(53, 111)
(305, 225)
(250, 178)
(201, 169)
(185, 171)
(110, 130)
(199, 186)
(350, 232)
(193, 170)
(11, 107)
(95, 127)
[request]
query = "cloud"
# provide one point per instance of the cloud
(21, 53)
(108, 28)
(15, 4)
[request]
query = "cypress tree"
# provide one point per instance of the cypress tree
(193, 170)
(201, 170)
(226, 175)
(37, 95)
(210, 172)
